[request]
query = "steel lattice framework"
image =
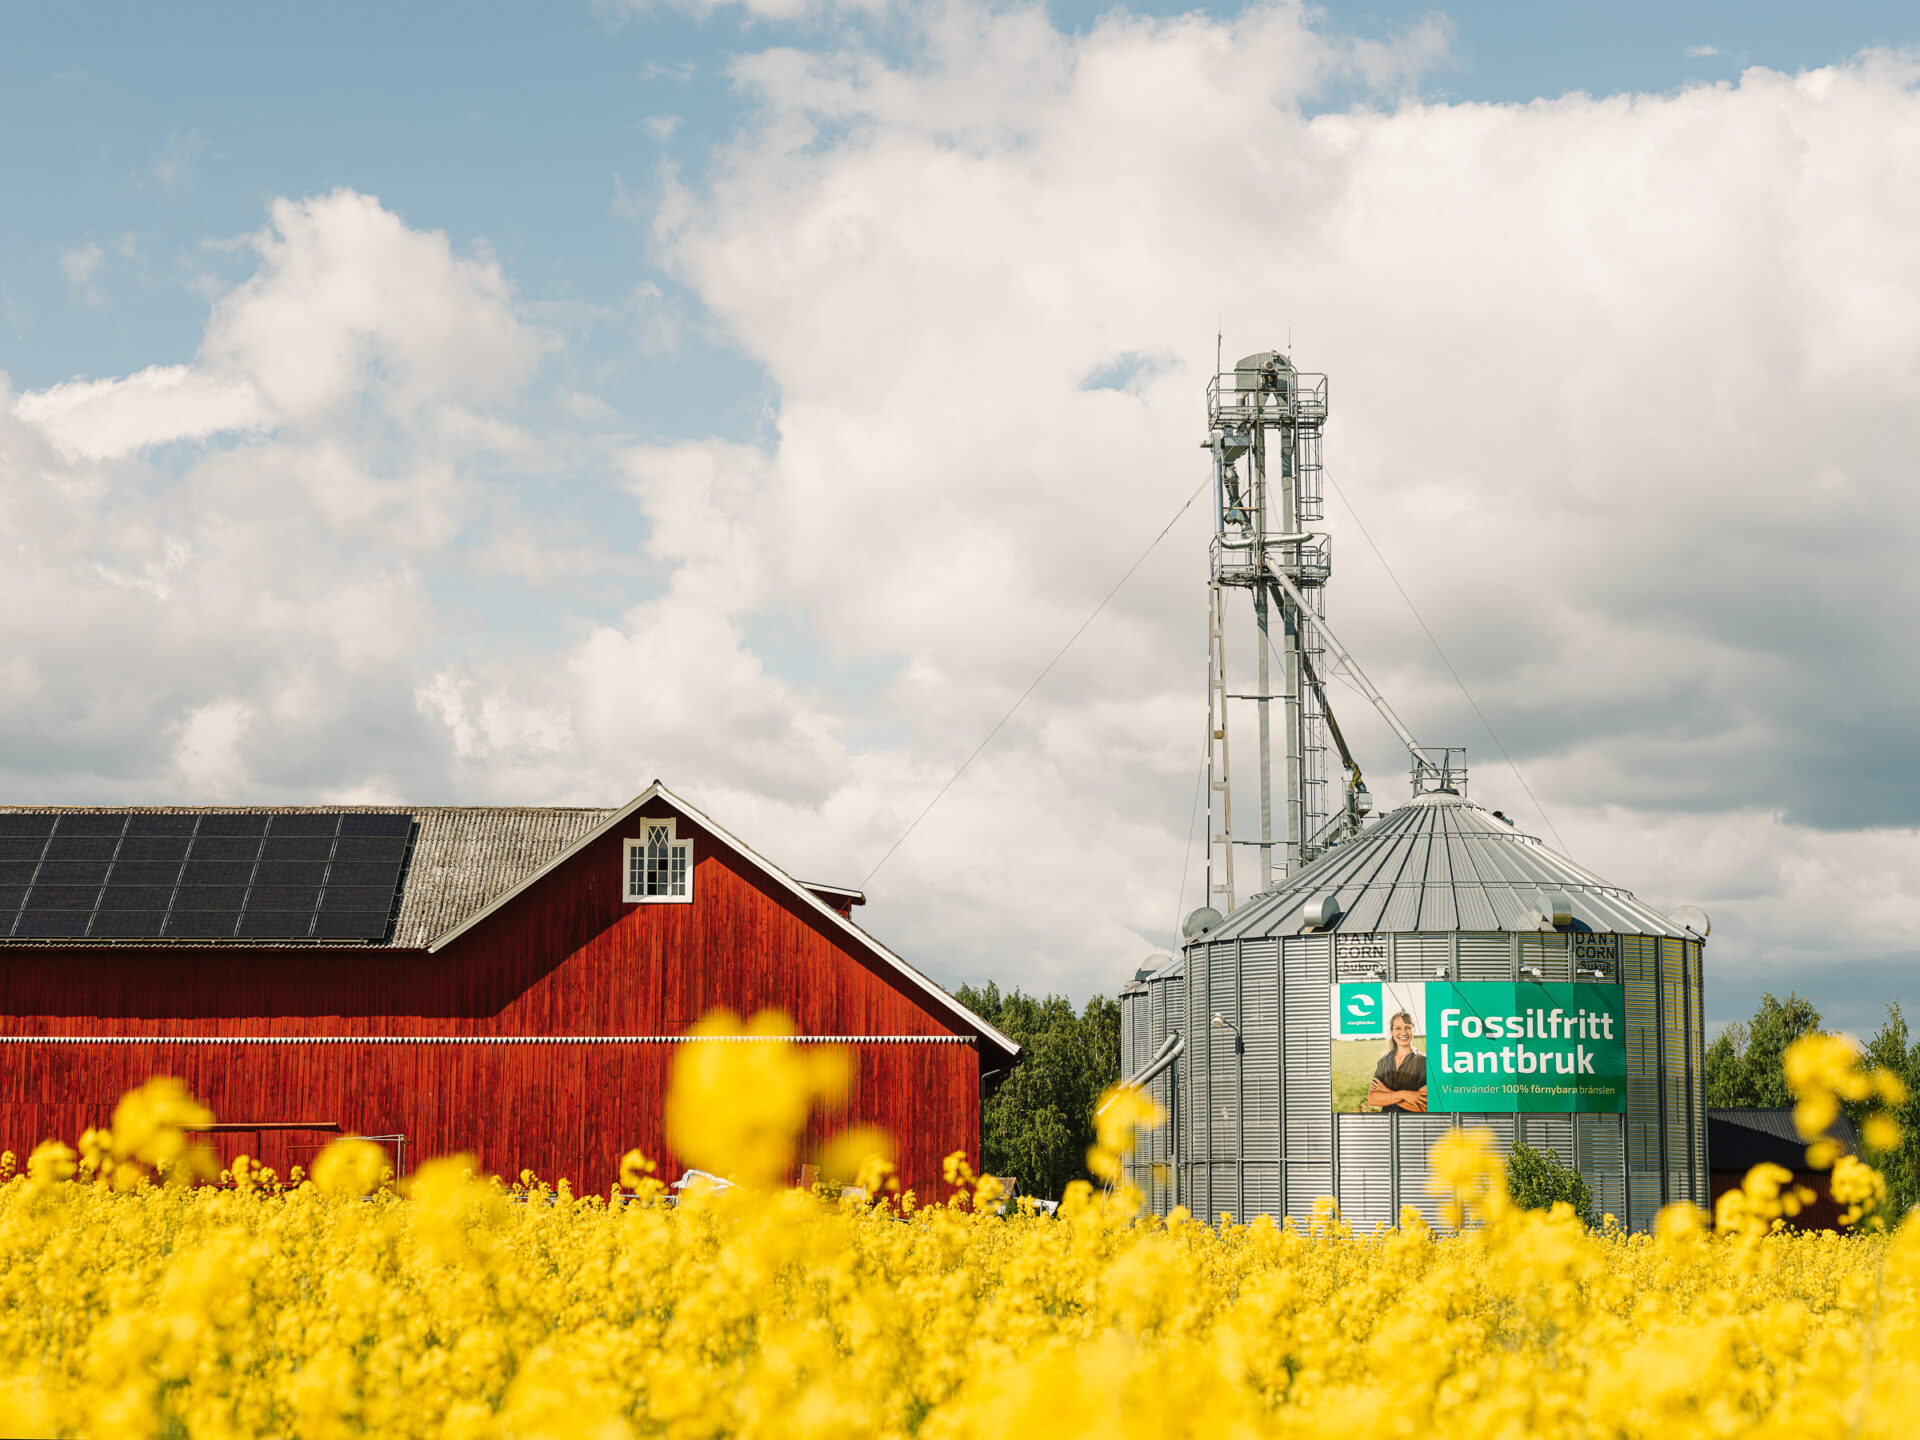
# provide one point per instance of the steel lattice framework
(1264, 420)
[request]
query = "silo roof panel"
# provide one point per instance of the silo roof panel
(1439, 907)
(1365, 908)
(1476, 909)
(1511, 911)
(1442, 863)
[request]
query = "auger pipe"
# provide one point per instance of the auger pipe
(1340, 653)
(1339, 740)
(1170, 1051)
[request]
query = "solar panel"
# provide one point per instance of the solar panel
(154, 847)
(113, 876)
(51, 925)
(127, 925)
(144, 825)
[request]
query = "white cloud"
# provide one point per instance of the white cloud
(207, 754)
(1701, 52)
(249, 616)
(173, 168)
(80, 265)
(338, 303)
(100, 419)
(1624, 387)
(776, 10)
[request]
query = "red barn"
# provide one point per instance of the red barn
(509, 982)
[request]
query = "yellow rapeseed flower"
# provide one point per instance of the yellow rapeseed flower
(350, 1167)
(50, 1163)
(733, 1108)
(462, 1306)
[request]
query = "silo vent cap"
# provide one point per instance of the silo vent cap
(1200, 922)
(1555, 909)
(1319, 913)
(1692, 917)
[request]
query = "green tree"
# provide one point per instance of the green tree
(1039, 1123)
(1726, 1073)
(1743, 1065)
(1891, 1048)
(1537, 1179)
(1744, 1068)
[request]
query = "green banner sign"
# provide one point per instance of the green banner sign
(1478, 1046)
(1532, 1046)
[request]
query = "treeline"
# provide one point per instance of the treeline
(1039, 1123)
(1744, 1068)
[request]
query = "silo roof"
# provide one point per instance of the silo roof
(1442, 863)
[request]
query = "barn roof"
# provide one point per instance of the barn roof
(467, 861)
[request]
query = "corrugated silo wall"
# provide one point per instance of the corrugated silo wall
(1133, 1024)
(1253, 1131)
(1143, 1030)
(1666, 1101)
(1168, 999)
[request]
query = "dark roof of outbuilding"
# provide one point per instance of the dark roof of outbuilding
(1441, 863)
(1739, 1139)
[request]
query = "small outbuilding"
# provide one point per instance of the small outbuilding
(1740, 1138)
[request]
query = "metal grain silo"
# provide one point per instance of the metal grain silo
(1388, 979)
(1506, 946)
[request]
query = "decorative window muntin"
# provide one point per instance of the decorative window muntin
(659, 865)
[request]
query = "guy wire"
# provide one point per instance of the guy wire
(1368, 536)
(1037, 679)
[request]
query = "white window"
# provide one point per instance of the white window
(659, 867)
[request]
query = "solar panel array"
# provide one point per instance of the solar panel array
(229, 876)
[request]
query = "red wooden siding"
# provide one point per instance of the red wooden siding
(1823, 1214)
(558, 1109)
(566, 958)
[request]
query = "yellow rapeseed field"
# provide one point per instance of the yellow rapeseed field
(135, 1303)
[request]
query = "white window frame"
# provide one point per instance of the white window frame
(634, 854)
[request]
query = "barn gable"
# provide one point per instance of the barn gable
(622, 826)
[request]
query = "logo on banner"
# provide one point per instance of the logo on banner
(1360, 1008)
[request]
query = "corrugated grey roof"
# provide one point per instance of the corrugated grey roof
(1777, 1121)
(1442, 863)
(463, 855)
(1739, 1139)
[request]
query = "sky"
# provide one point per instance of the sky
(514, 404)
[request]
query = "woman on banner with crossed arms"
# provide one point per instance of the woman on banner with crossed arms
(1400, 1079)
